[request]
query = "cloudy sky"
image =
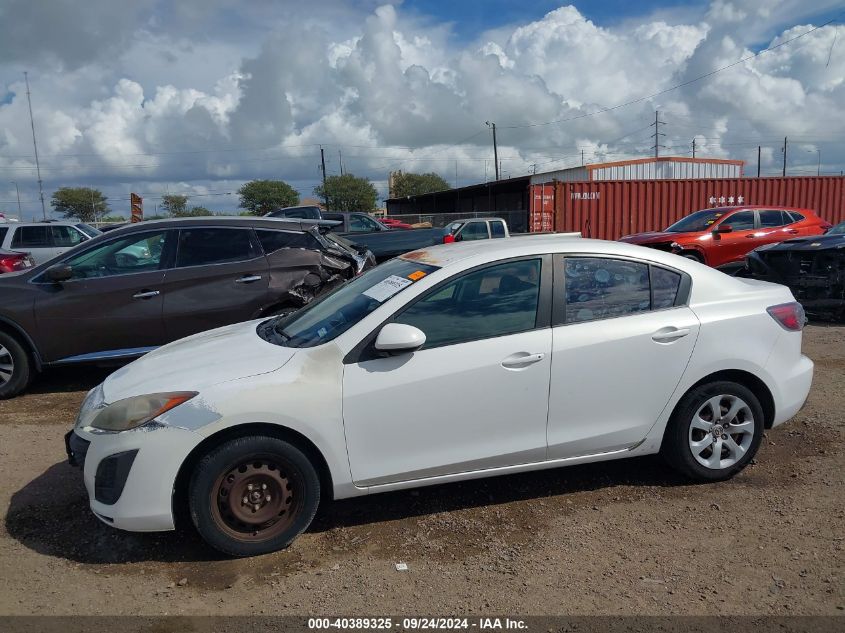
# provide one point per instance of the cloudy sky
(198, 96)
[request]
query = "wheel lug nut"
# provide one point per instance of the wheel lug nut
(246, 500)
(249, 486)
(255, 507)
(264, 486)
(267, 498)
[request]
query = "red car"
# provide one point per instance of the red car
(392, 223)
(10, 261)
(725, 235)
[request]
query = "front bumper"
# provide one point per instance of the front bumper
(130, 476)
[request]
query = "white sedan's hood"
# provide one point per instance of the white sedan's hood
(201, 360)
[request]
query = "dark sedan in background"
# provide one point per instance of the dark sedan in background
(126, 292)
(812, 267)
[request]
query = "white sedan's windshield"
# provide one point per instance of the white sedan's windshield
(330, 317)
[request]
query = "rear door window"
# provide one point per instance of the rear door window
(271, 241)
(600, 288)
(770, 218)
(203, 246)
(497, 229)
(31, 237)
(3, 231)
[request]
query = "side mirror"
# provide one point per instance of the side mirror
(59, 273)
(723, 228)
(398, 338)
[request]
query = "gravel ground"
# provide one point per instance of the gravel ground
(625, 537)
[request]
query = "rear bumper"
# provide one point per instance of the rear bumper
(794, 387)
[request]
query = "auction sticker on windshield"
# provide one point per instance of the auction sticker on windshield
(386, 288)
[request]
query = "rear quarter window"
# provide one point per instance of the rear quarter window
(3, 231)
(31, 237)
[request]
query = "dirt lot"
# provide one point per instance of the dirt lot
(615, 538)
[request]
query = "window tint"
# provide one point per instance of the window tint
(90, 231)
(474, 231)
(202, 246)
(31, 237)
(796, 217)
(66, 236)
(271, 241)
(598, 288)
(3, 231)
(498, 300)
(664, 287)
(362, 224)
(335, 217)
(131, 254)
(742, 221)
(497, 229)
(770, 218)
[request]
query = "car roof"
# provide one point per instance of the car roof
(43, 223)
(290, 224)
(444, 255)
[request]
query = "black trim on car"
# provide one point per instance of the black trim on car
(112, 473)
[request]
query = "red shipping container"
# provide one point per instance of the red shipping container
(612, 208)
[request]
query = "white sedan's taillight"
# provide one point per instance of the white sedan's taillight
(790, 316)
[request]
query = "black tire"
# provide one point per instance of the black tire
(677, 440)
(220, 495)
(693, 256)
(13, 353)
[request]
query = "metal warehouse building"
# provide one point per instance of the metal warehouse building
(666, 168)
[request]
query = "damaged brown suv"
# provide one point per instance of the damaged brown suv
(131, 290)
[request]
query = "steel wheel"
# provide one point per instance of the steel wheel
(721, 431)
(255, 500)
(7, 365)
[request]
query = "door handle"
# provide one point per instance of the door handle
(248, 279)
(669, 335)
(146, 294)
(752, 235)
(793, 231)
(521, 360)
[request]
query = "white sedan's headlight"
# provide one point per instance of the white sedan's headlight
(92, 404)
(133, 412)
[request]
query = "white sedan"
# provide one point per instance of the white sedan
(451, 363)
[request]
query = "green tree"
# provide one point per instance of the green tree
(83, 203)
(174, 204)
(409, 184)
(259, 197)
(348, 193)
(199, 212)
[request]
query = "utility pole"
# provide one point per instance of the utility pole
(18, 192)
(340, 161)
(657, 134)
(582, 158)
(758, 161)
(93, 208)
(495, 148)
(784, 157)
(693, 148)
(35, 146)
(456, 173)
(323, 169)
(819, 168)
(533, 168)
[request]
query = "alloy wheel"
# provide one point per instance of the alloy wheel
(7, 365)
(256, 500)
(721, 431)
